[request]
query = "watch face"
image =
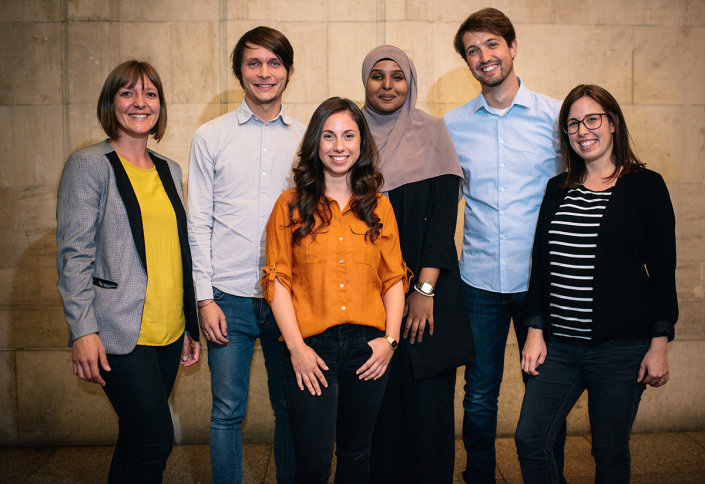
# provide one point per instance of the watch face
(394, 344)
(425, 287)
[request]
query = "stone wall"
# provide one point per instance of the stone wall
(55, 54)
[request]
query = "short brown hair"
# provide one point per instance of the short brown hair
(268, 38)
(485, 20)
(127, 75)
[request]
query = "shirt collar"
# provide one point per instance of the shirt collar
(521, 98)
(244, 114)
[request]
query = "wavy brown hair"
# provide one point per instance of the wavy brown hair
(364, 177)
(486, 20)
(623, 156)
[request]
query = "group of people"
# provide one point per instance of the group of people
(334, 245)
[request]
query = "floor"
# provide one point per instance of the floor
(673, 458)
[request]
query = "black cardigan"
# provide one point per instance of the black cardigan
(635, 262)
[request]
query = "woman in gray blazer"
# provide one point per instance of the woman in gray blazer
(120, 217)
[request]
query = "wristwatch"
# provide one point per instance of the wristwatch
(392, 342)
(424, 288)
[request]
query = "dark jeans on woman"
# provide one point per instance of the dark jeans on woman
(609, 374)
(138, 386)
(344, 414)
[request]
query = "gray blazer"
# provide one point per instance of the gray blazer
(101, 253)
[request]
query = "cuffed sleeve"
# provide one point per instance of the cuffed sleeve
(279, 253)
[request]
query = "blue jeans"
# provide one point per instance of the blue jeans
(344, 414)
(609, 374)
(247, 319)
(489, 314)
(138, 387)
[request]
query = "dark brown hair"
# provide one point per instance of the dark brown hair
(485, 20)
(128, 74)
(364, 177)
(623, 156)
(268, 38)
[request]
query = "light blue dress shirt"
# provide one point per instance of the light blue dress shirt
(507, 157)
(239, 167)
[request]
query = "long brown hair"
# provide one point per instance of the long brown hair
(365, 179)
(623, 156)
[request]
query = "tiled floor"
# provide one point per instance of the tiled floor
(668, 458)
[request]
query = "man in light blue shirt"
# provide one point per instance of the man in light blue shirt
(507, 142)
(240, 164)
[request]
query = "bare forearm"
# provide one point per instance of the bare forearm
(393, 301)
(283, 310)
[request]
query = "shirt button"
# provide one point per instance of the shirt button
(264, 149)
(340, 221)
(264, 173)
(343, 308)
(501, 141)
(342, 285)
(501, 189)
(340, 261)
(501, 212)
(340, 239)
(501, 236)
(502, 165)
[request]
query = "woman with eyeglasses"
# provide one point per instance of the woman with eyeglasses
(601, 306)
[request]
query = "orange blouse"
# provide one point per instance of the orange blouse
(337, 277)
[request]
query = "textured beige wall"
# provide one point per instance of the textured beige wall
(55, 54)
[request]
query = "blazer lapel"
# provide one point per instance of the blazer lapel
(134, 215)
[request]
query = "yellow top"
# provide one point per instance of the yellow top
(163, 319)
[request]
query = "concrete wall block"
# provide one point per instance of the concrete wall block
(146, 41)
(351, 11)
(89, 59)
(84, 127)
(194, 65)
(345, 59)
(89, 10)
(25, 326)
(8, 399)
(169, 10)
(55, 406)
(552, 67)
(36, 145)
(30, 10)
(184, 120)
(654, 65)
(36, 57)
(669, 139)
(677, 406)
(688, 202)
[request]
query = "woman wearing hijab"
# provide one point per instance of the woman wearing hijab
(414, 437)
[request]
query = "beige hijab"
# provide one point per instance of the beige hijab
(412, 144)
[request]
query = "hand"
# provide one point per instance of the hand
(213, 324)
(376, 365)
(307, 367)
(534, 353)
(88, 353)
(654, 367)
(418, 310)
(190, 351)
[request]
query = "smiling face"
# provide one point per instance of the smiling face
(386, 88)
(592, 145)
(339, 145)
(137, 108)
(264, 76)
(489, 58)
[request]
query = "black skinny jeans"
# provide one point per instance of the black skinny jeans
(344, 414)
(138, 387)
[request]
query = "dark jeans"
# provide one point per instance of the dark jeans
(344, 414)
(138, 387)
(490, 314)
(248, 318)
(608, 372)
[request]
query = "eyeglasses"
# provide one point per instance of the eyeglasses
(591, 122)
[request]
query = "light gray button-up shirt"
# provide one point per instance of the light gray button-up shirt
(239, 166)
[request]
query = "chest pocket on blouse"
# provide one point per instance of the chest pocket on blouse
(363, 250)
(310, 250)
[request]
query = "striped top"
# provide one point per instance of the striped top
(572, 244)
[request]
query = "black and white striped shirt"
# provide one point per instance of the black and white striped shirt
(572, 244)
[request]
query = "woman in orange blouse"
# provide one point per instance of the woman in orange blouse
(335, 280)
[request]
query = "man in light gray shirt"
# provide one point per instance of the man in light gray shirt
(240, 164)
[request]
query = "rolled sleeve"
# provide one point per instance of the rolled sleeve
(392, 267)
(279, 253)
